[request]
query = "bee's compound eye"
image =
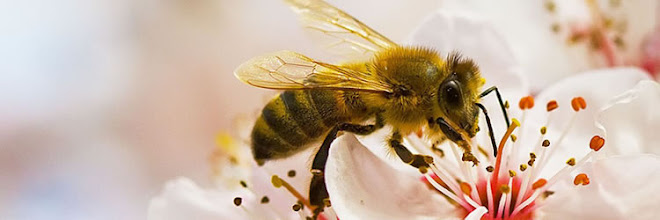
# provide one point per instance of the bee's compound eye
(451, 92)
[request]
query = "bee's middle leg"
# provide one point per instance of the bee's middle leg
(415, 160)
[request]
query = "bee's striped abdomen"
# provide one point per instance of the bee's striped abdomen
(292, 120)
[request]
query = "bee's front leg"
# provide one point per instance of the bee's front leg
(415, 160)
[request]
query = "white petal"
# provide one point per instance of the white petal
(183, 199)
(623, 187)
(361, 186)
(526, 26)
(597, 88)
(474, 39)
(632, 121)
(477, 213)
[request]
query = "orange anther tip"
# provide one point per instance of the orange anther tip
(583, 104)
(575, 105)
(581, 179)
(578, 103)
(526, 102)
(465, 188)
(552, 105)
(596, 143)
(539, 183)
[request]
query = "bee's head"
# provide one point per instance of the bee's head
(457, 96)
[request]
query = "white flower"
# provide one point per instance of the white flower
(241, 189)
(565, 171)
(553, 39)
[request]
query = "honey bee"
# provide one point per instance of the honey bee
(406, 87)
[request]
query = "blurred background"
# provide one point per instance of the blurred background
(103, 101)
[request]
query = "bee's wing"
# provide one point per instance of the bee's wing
(288, 70)
(346, 34)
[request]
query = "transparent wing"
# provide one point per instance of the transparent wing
(288, 70)
(346, 34)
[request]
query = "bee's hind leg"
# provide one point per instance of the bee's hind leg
(318, 193)
(415, 160)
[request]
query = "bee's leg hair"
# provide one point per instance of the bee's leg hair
(415, 160)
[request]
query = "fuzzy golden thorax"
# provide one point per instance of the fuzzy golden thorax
(421, 82)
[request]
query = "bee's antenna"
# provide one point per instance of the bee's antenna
(499, 98)
(490, 128)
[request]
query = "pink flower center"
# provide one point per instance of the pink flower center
(507, 186)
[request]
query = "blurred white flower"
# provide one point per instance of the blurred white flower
(241, 190)
(553, 39)
(555, 155)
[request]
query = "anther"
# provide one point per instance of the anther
(276, 181)
(532, 155)
(243, 184)
(465, 188)
(596, 143)
(512, 173)
(543, 130)
(490, 169)
(578, 103)
(531, 162)
(505, 189)
(506, 104)
(523, 167)
(547, 193)
(526, 102)
(423, 169)
(514, 138)
(581, 179)
(571, 162)
(327, 202)
(265, 200)
(545, 143)
(552, 105)
(238, 201)
(539, 183)
(296, 207)
(291, 173)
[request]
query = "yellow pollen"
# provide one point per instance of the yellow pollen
(512, 173)
(581, 179)
(571, 162)
(515, 122)
(552, 105)
(523, 167)
(514, 138)
(506, 104)
(423, 169)
(505, 189)
(532, 155)
(596, 143)
(539, 183)
(543, 130)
